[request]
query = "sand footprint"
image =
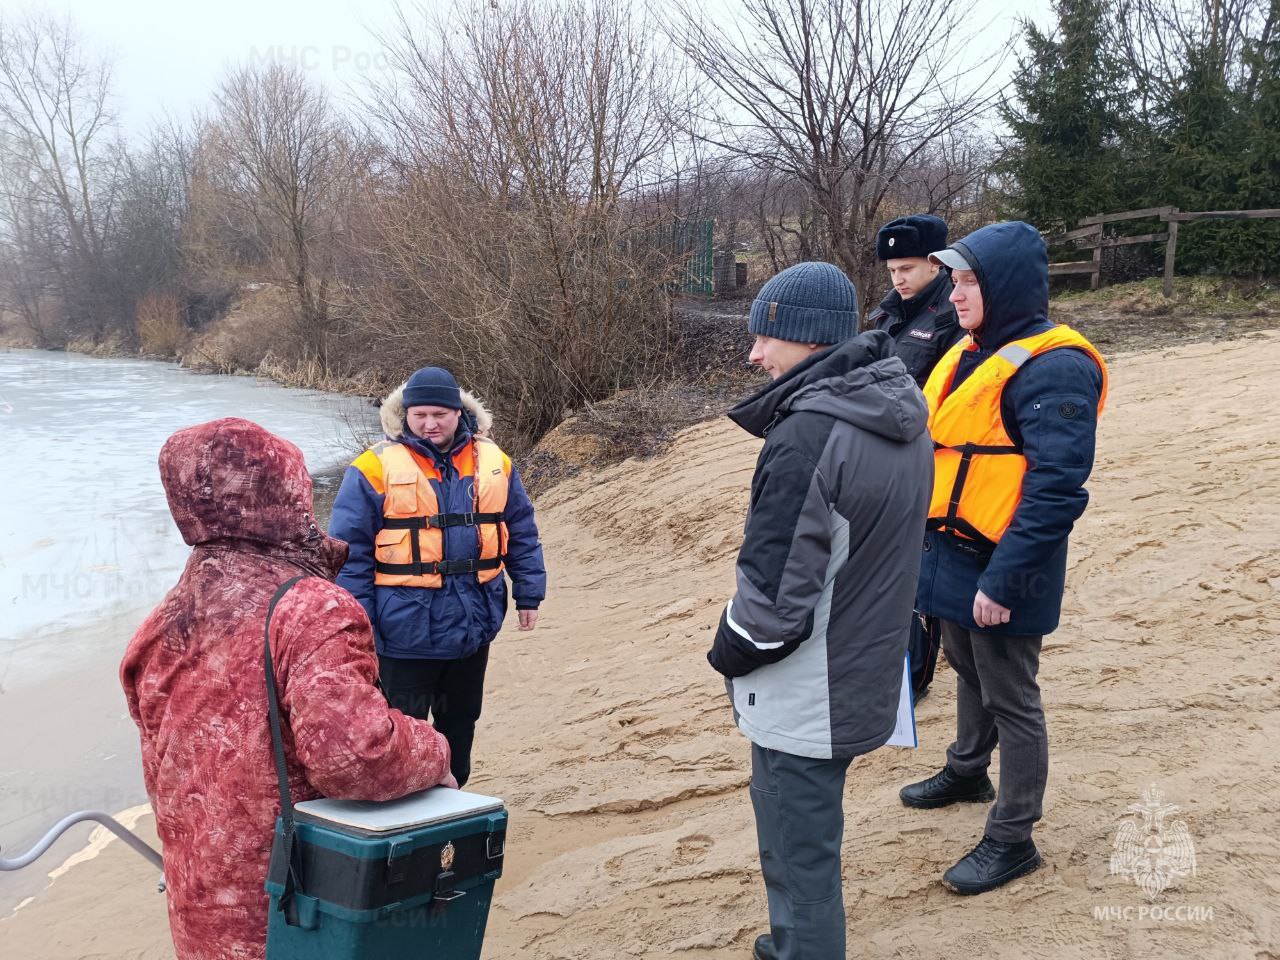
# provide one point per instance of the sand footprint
(558, 795)
(693, 848)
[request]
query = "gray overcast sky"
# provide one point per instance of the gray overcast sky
(171, 56)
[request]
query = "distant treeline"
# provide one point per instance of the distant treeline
(497, 199)
(1130, 104)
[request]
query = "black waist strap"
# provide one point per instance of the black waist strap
(442, 520)
(444, 568)
(964, 534)
(969, 449)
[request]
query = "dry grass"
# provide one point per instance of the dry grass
(13, 334)
(709, 373)
(1137, 316)
(161, 330)
(253, 329)
(311, 375)
(1213, 294)
(112, 346)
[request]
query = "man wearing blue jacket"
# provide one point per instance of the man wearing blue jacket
(1013, 411)
(434, 516)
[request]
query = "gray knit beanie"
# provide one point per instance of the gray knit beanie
(808, 303)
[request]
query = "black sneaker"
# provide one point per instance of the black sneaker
(947, 787)
(763, 950)
(991, 864)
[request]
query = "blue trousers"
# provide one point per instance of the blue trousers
(799, 805)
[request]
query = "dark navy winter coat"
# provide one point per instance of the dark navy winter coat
(1027, 570)
(456, 620)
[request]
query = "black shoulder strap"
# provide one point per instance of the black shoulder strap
(293, 880)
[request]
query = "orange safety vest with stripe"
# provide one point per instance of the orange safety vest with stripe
(977, 467)
(409, 549)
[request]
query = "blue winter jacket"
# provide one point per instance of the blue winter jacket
(1050, 410)
(458, 619)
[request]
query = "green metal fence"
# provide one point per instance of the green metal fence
(691, 246)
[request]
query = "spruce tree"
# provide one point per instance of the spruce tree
(1066, 155)
(1220, 148)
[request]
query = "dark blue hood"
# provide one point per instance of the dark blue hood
(1012, 264)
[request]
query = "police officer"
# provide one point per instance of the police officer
(918, 314)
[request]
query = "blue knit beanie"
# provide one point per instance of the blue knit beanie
(432, 387)
(807, 303)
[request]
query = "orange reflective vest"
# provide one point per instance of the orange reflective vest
(977, 467)
(409, 549)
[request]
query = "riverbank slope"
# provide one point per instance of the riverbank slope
(613, 745)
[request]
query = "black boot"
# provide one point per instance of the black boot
(947, 787)
(763, 949)
(991, 864)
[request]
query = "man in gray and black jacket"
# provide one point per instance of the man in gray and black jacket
(813, 641)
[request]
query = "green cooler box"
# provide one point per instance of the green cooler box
(411, 879)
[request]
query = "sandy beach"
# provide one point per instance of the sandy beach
(68, 745)
(612, 742)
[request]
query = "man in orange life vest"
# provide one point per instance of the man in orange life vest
(1013, 411)
(434, 516)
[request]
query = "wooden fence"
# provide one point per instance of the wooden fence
(1092, 235)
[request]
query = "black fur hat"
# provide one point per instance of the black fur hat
(915, 236)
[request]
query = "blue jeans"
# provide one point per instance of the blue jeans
(800, 825)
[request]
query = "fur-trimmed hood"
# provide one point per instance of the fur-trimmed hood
(392, 413)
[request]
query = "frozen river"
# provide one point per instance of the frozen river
(86, 538)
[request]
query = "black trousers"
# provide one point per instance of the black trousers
(448, 692)
(998, 702)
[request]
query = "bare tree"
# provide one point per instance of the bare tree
(269, 175)
(791, 225)
(1162, 41)
(30, 247)
(146, 252)
(58, 133)
(845, 97)
(513, 237)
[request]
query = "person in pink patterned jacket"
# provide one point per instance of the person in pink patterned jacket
(193, 678)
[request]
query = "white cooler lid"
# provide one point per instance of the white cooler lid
(427, 807)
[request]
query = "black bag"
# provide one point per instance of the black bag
(923, 644)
